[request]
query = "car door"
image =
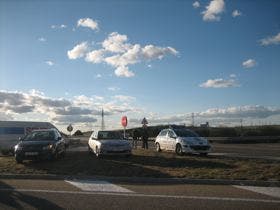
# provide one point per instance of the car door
(91, 141)
(162, 139)
(171, 140)
(59, 142)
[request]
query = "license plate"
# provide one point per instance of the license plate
(31, 153)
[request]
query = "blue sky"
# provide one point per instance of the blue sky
(162, 60)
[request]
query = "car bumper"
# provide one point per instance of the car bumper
(115, 152)
(33, 155)
(196, 149)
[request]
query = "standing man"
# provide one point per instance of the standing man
(134, 138)
(145, 137)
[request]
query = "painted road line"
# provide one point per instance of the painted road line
(143, 195)
(97, 186)
(271, 191)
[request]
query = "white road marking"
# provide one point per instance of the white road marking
(143, 195)
(97, 186)
(271, 191)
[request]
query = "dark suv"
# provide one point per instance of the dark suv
(40, 144)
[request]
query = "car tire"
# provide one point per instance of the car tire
(54, 156)
(19, 160)
(89, 150)
(97, 152)
(62, 155)
(128, 155)
(158, 147)
(179, 150)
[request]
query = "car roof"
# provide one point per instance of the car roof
(174, 129)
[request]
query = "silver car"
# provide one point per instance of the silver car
(182, 140)
(108, 143)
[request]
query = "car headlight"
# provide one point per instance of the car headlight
(48, 147)
(18, 147)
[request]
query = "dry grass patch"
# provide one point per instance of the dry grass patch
(147, 163)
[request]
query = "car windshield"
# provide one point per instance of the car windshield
(185, 133)
(109, 135)
(40, 136)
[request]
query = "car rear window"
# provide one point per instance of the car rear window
(109, 135)
(185, 133)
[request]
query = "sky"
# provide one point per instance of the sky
(63, 61)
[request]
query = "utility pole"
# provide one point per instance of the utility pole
(192, 119)
(102, 120)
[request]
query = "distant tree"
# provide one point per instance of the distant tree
(78, 133)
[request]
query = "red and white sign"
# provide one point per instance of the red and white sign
(124, 121)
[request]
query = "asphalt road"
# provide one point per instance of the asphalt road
(97, 194)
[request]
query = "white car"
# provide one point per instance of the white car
(108, 143)
(182, 140)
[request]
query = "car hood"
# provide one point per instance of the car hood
(114, 142)
(35, 143)
(194, 140)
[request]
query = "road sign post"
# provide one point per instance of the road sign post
(124, 124)
(70, 128)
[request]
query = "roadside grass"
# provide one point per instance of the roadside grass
(148, 163)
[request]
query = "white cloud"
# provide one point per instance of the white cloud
(123, 71)
(80, 109)
(50, 63)
(74, 119)
(62, 26)
(249, 111)
(196, 4)
(124, 98)
(120, 54)
(232, 76)
(149, 66)
(271, 40)
(95, 56)
(213, 10)
(219, 83)
(98, 76)
(78, 51)
(116, 43)
(229, 116)
(98, 98)
(113, 88)
(42, 39)
(151, 52)
(250, 63)
(88, 22)
(236, 13)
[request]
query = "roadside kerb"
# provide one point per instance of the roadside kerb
(145, 180)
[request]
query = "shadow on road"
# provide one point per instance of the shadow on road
(14, 199)
(141, 164)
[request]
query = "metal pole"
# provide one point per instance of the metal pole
(124, 132)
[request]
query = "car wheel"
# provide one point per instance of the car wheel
(54, 156)
(158, 147)
(97, 152)
(19, 160)
(179, 150)
(89, 150)
(62, 155)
